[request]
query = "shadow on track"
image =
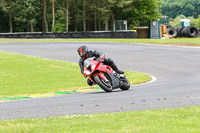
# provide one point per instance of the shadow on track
(103, 92)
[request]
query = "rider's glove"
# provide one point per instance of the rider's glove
(102, 57)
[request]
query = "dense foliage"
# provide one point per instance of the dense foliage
(74, 15)
(174, 8)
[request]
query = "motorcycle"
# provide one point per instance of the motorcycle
(104, 76)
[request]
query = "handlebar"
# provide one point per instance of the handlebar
(99, 59)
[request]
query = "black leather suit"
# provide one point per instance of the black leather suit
(94, 53)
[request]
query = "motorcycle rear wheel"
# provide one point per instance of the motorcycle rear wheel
(105, 86)
(125, 83)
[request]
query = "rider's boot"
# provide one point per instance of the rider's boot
(115, 68)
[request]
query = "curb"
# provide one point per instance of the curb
(58, 93)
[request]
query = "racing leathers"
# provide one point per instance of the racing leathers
(106, 61)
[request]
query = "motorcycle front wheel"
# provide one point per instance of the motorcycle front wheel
(105, 86)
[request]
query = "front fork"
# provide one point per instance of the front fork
(101, 76)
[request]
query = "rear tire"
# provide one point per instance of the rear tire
(105, 86)
(125, 84)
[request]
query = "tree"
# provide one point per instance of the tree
(173, 8)
(63, 9)
(45, 23)
(99, 15)
(196, 9)
(53, 15)
(141, 12)
(108, 8)
(4, 27)
(67, 15)
(76, 15)
(62, 16)
(117, 5)
(74, 11)
(29, 14)
(7, 7)
(93, 9)
(84, 16)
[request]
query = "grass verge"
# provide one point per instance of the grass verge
(23, 75)
(182, 41)
(181, 120)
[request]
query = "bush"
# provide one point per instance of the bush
(194, 22)
(59, 27)
(176, 22)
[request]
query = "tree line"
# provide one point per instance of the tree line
(174, 8)
(74, 15)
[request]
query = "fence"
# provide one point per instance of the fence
(102, 34)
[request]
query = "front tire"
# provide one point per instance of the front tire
(125, 83)
(105, 86)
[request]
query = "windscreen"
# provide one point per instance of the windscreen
(87, 62)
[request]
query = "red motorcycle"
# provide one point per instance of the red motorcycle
(104, 75)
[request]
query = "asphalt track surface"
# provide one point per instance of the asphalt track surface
(177, 70)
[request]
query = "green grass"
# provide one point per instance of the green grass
(181, 120)
(189, 41)
(23, 75)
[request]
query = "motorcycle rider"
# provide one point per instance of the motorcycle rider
(84, 53)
